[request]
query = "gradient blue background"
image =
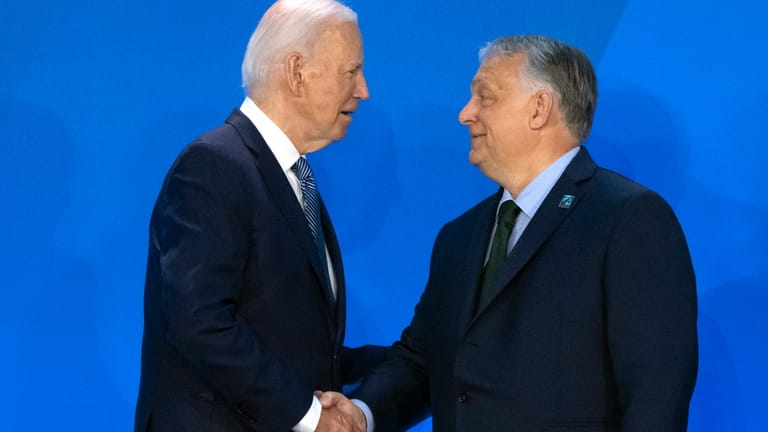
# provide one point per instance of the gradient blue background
(97, 98)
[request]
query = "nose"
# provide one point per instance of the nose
(468, 114)
(361, 89)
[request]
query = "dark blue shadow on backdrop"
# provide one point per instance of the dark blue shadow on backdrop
(96, 100)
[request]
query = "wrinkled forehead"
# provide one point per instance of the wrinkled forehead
(340, 36)
(498, 70)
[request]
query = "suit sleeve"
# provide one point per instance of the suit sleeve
(201, 230)
(358, 363)
(398, 390)
(651, 313)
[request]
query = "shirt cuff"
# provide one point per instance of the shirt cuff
(311, 418)
(368, 414)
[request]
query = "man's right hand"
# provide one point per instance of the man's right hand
(339, 414)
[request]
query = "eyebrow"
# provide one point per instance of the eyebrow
(478, 83)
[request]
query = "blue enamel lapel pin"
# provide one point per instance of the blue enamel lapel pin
(566, 201)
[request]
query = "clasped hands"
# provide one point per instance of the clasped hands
(339, 414)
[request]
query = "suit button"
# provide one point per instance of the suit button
(463, 398)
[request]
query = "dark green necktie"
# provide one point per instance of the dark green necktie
(505, 223)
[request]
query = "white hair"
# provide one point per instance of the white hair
(288, 25)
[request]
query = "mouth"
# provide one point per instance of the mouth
(347, 113)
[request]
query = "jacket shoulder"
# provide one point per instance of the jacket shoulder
(612, 187)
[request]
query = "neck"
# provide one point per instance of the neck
(516, 179)
(279, 110)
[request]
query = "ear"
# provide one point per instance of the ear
(294, 72)
(542, 102)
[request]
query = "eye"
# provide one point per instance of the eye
(352, 72)
(485, 98)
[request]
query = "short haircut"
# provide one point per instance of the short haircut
(288, 25)
(555, 66)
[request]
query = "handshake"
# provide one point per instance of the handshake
(339, 414)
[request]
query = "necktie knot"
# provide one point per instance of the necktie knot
(302, 170)
(508, 214)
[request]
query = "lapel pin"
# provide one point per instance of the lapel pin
(566, 201)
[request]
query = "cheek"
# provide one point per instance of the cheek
(348, 88)
(490, 125)
(500, 137)
(500, 125)
(334, 100)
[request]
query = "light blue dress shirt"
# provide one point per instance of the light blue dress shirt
(531, 197)
(529, 201)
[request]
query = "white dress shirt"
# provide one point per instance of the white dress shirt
(287, 155)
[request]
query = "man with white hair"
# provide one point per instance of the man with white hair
(244, 298)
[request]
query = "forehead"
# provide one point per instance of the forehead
(342, 39)
(499, 71)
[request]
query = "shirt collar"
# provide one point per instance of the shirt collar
(277, 141)
(533, 195)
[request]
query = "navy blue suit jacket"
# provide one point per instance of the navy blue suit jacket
(594, 327)
(238, 326)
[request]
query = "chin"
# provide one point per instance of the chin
(340, 134)
(474, 159)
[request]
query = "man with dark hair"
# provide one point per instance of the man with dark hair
(565, 301)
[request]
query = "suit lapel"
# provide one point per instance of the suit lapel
(281, 192)
(479, 227)
(566, 195)
(334, 253)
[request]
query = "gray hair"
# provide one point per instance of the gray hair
(554, 66)
(288, 25)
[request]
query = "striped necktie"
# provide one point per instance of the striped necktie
(312, 211)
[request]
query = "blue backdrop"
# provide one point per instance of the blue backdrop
(98, 97)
